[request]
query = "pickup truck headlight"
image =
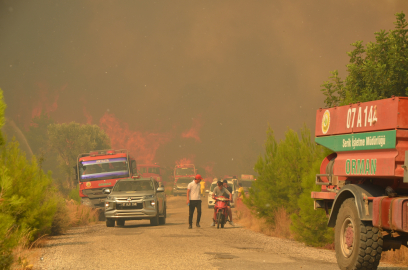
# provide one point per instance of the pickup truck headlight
(152, 203)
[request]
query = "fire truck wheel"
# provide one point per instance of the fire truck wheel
(110, 222)
(358, 244)
(162, 220)
(120, 222)
(155, 221)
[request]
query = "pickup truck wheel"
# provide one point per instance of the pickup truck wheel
(358, 244)
(155, 221)
(162, 220)
(120, 222)
(110, 222)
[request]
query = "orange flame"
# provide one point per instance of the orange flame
(209, 174)
(194, 130)
(184, 161)
(44, 104)
(142, 145)
(88, 116)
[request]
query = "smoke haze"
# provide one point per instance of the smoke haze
(180, 79)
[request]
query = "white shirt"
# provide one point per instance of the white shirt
(194, 190)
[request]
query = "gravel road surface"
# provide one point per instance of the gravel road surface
(138, 245)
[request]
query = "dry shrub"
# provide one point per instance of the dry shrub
(24, 253)
(280, 229)
(80, 215)
(399, 256)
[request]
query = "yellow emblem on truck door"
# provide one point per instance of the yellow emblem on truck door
(326, 122)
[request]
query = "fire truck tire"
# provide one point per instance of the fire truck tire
(155, 221)
(120, 222)
(110, 222)
(358, 244)
(162, 220)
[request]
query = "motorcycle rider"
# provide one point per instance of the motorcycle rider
(220, 190)
(225, 183)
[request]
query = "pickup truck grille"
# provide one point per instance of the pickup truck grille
(126, 199)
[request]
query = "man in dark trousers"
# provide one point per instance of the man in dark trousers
(194, 200)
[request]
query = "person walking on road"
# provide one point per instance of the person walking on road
(194, 200)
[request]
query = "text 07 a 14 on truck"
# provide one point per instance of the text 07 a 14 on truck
(364, 183)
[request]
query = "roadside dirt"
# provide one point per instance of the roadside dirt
(138, 245)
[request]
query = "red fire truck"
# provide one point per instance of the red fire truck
(101, 169)
(183, 174)
(365, 181)
(150, 170)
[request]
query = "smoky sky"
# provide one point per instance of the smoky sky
(227, 68)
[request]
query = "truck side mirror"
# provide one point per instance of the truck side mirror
(106, 191)
(133, 164)
(207, 191)
(160, 189)
(76, 172)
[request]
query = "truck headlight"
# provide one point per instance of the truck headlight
(106, 204)
(152, 203)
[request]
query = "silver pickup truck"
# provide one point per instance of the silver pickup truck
(135, 199)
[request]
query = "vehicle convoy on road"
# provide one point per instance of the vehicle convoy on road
(135, 199)
(183, 175)
(150, 170)
(101, 169)
(365, 181)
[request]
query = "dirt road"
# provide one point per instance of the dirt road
(172, 246)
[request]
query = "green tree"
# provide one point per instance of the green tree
(309, 225)
(27, 198)
(376, 71)
(70, 140)
(280, 171)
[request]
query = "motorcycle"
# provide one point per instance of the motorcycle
(221, 211)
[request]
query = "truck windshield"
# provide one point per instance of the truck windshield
(154, 170)
(103, 169)
(185, 171)
(246, 184)
(184, 180)
(142, 185)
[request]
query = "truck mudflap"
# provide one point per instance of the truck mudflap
(391, 213)
(363, 204)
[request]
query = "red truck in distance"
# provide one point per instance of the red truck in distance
(150, 170)
(364, 183)
(101, 169)
(183, 174)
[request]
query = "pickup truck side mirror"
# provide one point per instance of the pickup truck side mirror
(160, 189)
(106, 191)
(207, 191)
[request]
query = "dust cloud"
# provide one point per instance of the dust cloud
(169, 80)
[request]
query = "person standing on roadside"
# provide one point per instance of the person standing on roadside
(194, 200)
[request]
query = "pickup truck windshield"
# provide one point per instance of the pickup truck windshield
(142, 185)
(212, 187)
(184, 171)
(103, 169)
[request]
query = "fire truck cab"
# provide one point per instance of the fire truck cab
(101, 169)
